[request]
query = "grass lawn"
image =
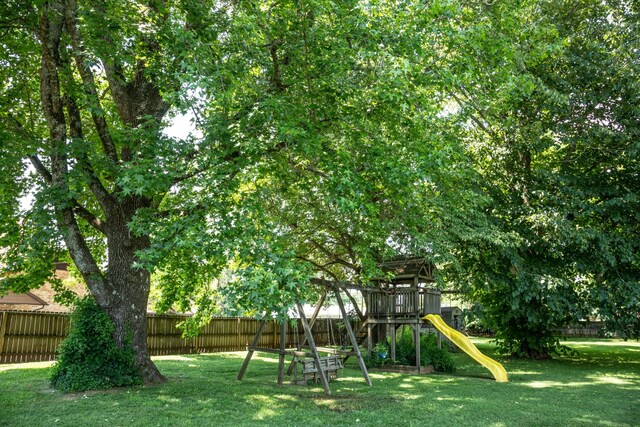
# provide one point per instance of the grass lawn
(599, 386)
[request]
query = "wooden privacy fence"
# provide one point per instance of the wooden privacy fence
(35, 336)
(585, 330)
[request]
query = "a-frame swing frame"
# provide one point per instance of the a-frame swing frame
(308, 336)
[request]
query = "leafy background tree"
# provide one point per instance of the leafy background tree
(551, 103)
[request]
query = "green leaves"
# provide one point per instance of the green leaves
(497, 140)
(548, 139)
(88, 358)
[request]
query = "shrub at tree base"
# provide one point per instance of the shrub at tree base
(89, 358)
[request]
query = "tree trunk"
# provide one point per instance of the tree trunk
(527, 350)
(126, 301)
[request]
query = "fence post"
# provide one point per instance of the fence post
(3, 330)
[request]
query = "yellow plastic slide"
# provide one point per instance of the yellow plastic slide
(497, 370)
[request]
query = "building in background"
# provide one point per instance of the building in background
(42, 298)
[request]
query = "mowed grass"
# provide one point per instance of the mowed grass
(598, 387)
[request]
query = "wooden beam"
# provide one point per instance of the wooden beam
(314, 350)
(314, 316)
(252, 348)
(286, 352)
(3, 330)
(416, 341)
(403, 321)
(283, 342)
(352, 337)
(292, 365)
(393, 343)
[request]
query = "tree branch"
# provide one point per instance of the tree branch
(333, 256)
(49, 35)
(90, 218)
(75, 125)
(486, 128)
(89, 84)
(320, 267)
(41, 169)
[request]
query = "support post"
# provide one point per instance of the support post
(393, 342)
(283, 341)
(416, 340)
(313, 318)
(275, 333)
(352, 337)
(292, 365)
(314, 351)
(252, 348)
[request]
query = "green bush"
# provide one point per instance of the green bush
(405, 350)
(380, 356)
(430, 353)
(89, 357)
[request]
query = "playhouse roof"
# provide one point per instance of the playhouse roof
(407, 267)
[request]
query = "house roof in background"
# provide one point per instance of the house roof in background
(23, 299)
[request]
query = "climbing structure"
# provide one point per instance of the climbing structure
(401, 299)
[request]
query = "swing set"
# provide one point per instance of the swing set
(391, 303)
(311, 362)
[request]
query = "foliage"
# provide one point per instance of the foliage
(439, 357)
(89, 358)
(498, 140)
(380, 356)
(553, 130)
(430, 353)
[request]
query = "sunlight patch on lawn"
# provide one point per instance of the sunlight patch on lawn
(169, 399)
(267, 409)
(608, 379)
(404, 395)
(265, 359)
(378, 376)
(518, 372)
(176, 357)
(286, 397)
(31, 365)
(447, 399)
(406, 385)
(590, 419)
(557, 384)
(612, 342)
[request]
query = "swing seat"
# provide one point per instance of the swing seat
(329, 364)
